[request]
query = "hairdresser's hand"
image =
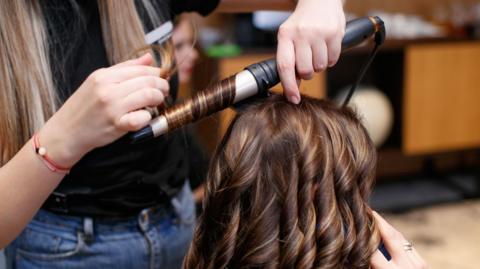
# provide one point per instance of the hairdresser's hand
(106, 106)
(395, 243)
(308, 42)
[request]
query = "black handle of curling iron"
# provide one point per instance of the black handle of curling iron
(266, 75)
(356, 32)
(359, 30)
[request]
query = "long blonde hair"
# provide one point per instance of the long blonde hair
(28, 95)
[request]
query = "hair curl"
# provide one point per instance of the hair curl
(288, 188)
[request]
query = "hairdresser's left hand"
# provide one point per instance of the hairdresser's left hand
(395, 243)
(309, 41)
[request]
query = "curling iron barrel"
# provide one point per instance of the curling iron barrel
(255, 80)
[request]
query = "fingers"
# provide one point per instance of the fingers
(320, 56)
(109, 102)
(334, 50)
(308, 41)
(122, 73)
(143, 98)
(126, 70)
(303, 62)
(137, 117)
(131, 85)
(392, 238)
(378, 261)
(286, 69)
(145, 59)
(134, 121)
(335, 43)
(394, 242)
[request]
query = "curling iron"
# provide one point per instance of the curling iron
(254, 81)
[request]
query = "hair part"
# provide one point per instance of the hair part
(288, 188)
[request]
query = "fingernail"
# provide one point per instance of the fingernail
(320, 68)
(295, 99)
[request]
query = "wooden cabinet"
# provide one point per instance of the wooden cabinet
(441, 110)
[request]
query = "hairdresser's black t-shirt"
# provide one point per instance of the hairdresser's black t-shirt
(120, 178)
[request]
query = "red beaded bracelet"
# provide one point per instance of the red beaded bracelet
(42, 153)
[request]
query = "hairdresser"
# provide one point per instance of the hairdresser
(68, 99)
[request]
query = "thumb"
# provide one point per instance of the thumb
(145, 59)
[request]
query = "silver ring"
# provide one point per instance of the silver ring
(407, 246)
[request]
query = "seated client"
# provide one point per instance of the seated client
(288, 188)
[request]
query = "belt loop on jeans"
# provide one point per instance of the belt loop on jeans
(88, 230)
(144, 219)
(177, 208)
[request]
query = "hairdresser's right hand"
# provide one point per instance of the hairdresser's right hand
(394, 242)
(106, 106)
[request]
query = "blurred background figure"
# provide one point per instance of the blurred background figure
(186, 54)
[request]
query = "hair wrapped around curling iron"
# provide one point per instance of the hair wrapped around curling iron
(206, 102)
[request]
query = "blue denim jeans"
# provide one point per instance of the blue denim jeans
(157, 238)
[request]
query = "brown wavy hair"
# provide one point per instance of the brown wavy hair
(288, 188)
